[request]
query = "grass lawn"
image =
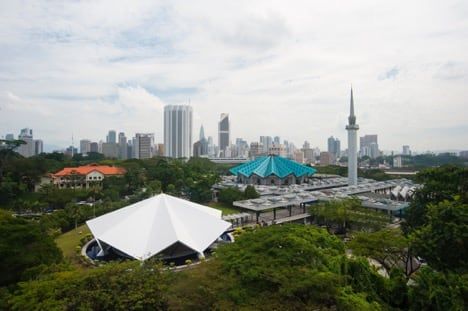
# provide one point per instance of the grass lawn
(68, 242)
(226, 209)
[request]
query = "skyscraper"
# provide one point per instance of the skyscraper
(352, 129)
(266, 141)
(143, 145)
(276, 140)
(27, 149)
(178, 131)
(94, 147)
(85, 146)
(122, 146)
(369, 146)
(200, 147)
(223, 134)
(38, 146)
(111, 137)
(211, 147)
(334, 146)
(202, 133)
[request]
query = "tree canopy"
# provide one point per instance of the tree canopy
(443, 239)
(118, 286)
(23, 245)
(439, 184)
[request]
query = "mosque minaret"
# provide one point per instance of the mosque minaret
(352, 129)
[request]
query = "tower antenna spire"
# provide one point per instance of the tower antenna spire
(352, 129)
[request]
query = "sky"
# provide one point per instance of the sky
(80, 68)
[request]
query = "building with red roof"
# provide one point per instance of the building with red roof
(85, 176)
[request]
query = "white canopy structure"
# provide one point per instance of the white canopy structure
(148, 227)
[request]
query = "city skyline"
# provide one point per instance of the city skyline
(263, 64)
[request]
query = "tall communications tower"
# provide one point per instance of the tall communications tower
(352, 129)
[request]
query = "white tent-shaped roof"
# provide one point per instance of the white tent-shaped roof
(146, 228)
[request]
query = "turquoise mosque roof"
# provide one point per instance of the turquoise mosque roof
(273, 165)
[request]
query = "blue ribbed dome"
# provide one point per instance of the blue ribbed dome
(273, 165)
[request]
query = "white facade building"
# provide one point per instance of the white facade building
(143, 145)
(158, 224)
(29, 148)
(178, 131)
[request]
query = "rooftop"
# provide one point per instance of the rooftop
(86, 169)
(273, 165)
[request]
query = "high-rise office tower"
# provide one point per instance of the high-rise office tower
(94, 147)
(71, 151)
(27, 149)
(110, 150)
(352, 129)
(224, 134)
(38, 146)
(202, 133)
(200, 147)
(334, 146)
(111, 137)
(122, 146)
(369, 146)
(85, 146)
(143, 145)
(266, 141)
(178, 131)
(9, 137)
(276, 140)
(211, 147)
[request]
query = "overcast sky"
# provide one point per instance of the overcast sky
(277, 67)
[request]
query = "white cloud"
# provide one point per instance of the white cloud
(278, 68)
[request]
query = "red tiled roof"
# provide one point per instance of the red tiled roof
(86, 169)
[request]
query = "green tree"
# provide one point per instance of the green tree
(439, 184)
(433, 290)
(250, 192)
(389, 247)
(154, 187)
(75, 212)
(443, 240)
(229, 195)
(291, 265)
(118, 286)
(23, 245)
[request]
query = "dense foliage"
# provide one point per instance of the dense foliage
(389, 247)
(289, 267)
(439, 184)
(283, 267)
(23, 245)
(125, 286)
(435, 290)
(443, 239)
(19, 176)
